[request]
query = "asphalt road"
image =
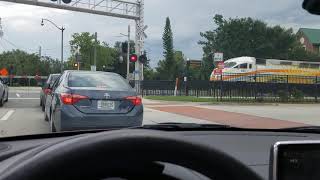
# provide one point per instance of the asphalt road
(22, 114)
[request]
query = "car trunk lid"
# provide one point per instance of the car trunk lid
(102, 101)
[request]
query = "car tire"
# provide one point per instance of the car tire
(7, 98)
(42, 107)
(52, 127)
(2, 101)
(45, 116)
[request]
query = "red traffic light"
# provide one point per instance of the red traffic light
(133, 58)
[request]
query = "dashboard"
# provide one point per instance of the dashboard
(272, 155)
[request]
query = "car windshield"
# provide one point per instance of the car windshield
(75, 65)
(229, 64)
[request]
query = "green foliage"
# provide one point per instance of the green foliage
(249, 37)
(283, 95)
(106, 56)
(297, 94)
(173, 70)
(28, 64)
(149, 74)
(180, 98)
(167, 66)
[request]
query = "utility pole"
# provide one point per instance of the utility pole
(62, 29)
(1, 31)
(40, 52)
(128, 54)
(95, 51)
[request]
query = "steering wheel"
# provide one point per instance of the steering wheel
(122, 153)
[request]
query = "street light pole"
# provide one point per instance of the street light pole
(62, 30)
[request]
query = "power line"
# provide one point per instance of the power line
(3, 46)
(11, 43)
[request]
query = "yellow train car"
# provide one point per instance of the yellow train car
(268, 70)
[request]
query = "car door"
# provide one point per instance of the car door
(3, 82)
(49, 97)
(2, 89)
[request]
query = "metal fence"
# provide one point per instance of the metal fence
(235, 87)
(25, 80)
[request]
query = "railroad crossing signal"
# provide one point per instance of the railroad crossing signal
(133, 58)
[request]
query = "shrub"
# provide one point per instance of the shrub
(297, 94)
(283, 95)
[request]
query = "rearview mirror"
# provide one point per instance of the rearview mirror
(312, 6)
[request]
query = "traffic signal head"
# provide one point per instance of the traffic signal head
(75, 64)
(143, 58)
(133, 58)
(124, 47)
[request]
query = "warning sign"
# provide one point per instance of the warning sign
(217, 72)
(220, 65)
(4, 72)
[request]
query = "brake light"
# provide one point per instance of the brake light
(70, 99)
(135, 100)
(47, 91)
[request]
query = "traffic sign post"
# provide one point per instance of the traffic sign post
(217, 72)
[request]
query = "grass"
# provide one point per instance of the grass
(180, 98)
(224, 100)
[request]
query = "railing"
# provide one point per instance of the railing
(256, 88)
(25, 80)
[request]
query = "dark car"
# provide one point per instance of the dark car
(82, 100)
(4, 91)
(46, 89)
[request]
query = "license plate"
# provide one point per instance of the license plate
(105, 105)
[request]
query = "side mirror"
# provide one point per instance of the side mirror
(5, 81)
(312, 6)
(48, 89)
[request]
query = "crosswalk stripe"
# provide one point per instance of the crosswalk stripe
(7, 115)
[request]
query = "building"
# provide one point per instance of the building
(310, 39)
(194, 63)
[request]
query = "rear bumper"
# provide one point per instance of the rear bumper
(71, 119)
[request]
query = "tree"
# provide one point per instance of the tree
(24, 63)
(167, 66)
(85, 42)
(248, 37)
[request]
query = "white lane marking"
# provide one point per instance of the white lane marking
(7, 115)
(22, 98)
(18, 95)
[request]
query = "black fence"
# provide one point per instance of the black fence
(235, 87)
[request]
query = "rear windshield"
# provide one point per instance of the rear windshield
(99, 80)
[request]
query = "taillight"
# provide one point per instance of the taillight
(70, 99)
(135, 100)
(47, 91)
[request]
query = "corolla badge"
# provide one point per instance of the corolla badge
(106, 95)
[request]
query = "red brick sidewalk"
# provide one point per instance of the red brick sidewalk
(229, 118)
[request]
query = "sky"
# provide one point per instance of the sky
(22, 29)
